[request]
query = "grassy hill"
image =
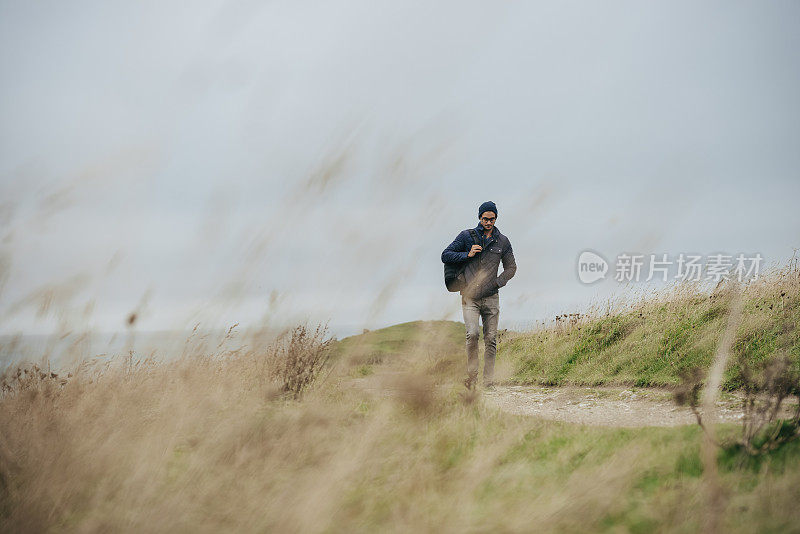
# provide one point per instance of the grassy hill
(650, 343)
(647, 343)
(441, 340)
(400, 337)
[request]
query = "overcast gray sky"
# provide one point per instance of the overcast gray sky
(270, 161)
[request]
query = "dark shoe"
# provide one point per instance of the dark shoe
(489, 386)
(469, 382)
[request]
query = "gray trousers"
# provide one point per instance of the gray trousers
(487, 309)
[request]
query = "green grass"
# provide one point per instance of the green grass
(565, 477)
(511, 473)
(645, 345)
(378, 346)
(508, 473)
(652, 343)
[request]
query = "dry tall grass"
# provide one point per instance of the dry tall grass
(211, 441)
(208, 442)
(204, 444)
(117, 433)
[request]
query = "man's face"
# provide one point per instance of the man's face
(487, 220)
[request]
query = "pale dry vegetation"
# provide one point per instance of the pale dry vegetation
(120, 432)
(302, 434)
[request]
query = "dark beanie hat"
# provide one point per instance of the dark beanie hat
(487, 206)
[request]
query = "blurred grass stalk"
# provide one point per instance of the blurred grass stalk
(714, 492)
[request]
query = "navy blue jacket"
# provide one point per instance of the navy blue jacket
(480, 272)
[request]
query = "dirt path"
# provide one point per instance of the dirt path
(606, 406)
(603, 406)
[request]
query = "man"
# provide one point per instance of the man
(480, 298)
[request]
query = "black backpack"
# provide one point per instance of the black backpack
(454, 272)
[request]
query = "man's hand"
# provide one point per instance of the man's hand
(475, 249)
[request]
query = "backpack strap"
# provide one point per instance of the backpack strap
(475, 239)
